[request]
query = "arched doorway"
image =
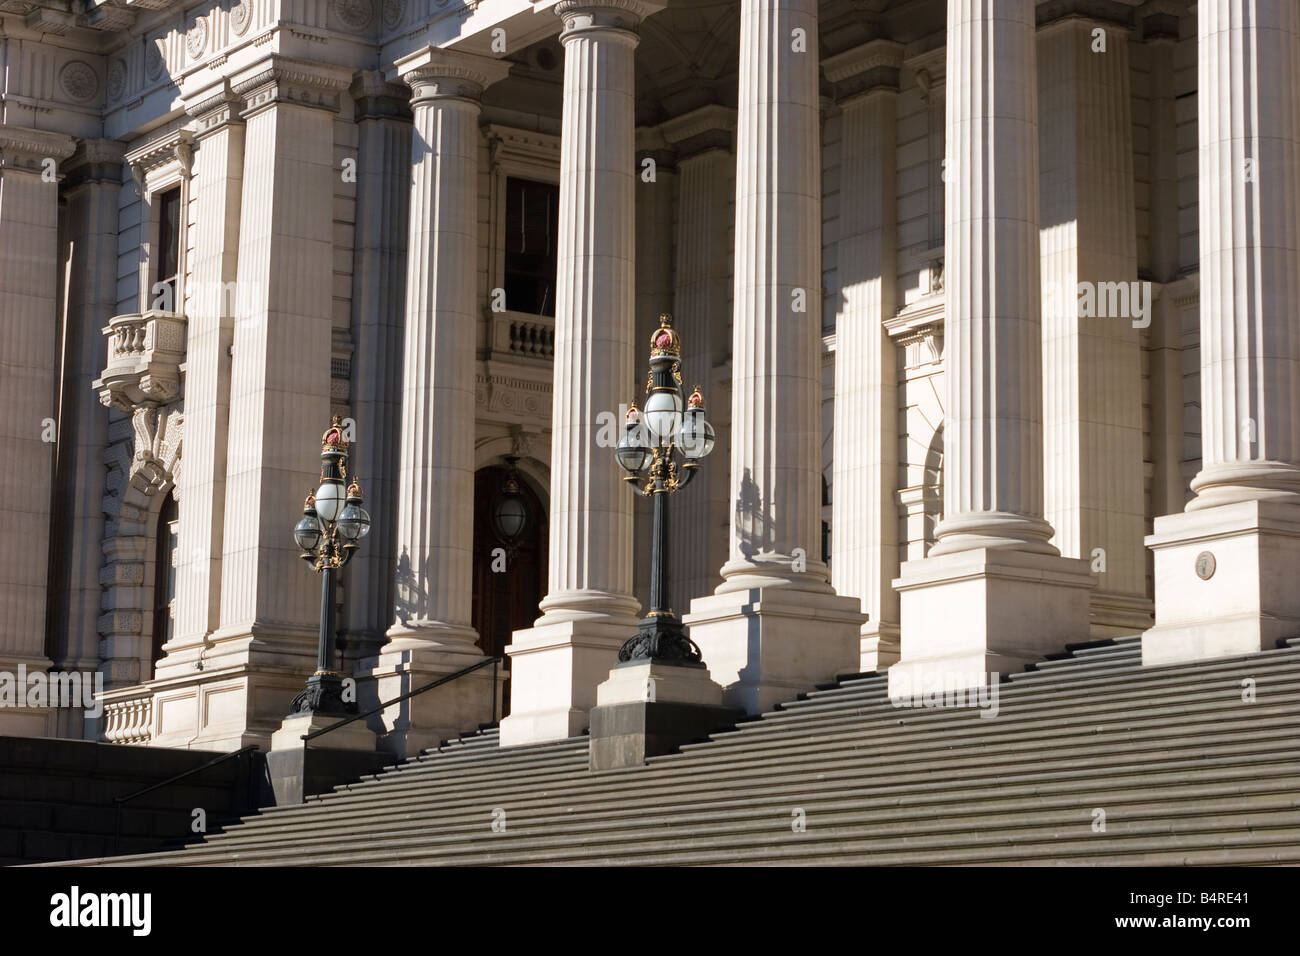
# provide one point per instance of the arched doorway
(509, 572)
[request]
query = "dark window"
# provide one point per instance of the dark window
(167, 261)
(532, 218)
(164, 577)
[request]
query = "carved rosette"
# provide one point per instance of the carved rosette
(354, 14)
(79, 81)
(393, 13)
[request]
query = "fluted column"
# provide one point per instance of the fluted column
(993, 438)
(29, 377)
(1093, 308)
(775, 566)
(212, 306)
(700, 516)
(92, 185)
(993, 594)
(864, 532)
(1226, 568)
(379, 277)
(434, 544)
(1248, 94)
(589, 609)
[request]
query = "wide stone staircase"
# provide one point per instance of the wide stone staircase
(1090, 759)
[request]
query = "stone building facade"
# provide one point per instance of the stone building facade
(994, 303)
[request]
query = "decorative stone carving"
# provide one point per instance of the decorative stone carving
(116, 79)
(153, 57)
(196, 39)
(241, 14)
(393, 12)
(79, 81)
(144, 356)
(355, 14)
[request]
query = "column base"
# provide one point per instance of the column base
(647, 708)
(769, 644)
(554, 670)
(458, 707)
(1225, 581)
(972, 614)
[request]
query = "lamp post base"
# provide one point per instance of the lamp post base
(660, 638)
(324, 695)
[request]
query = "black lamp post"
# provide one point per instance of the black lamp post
(661, 449)
(333, 521)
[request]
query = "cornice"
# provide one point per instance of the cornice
(281, 79)
(23, 148)
(709, 127)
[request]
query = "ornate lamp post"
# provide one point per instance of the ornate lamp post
(333, 521)
(662, 448)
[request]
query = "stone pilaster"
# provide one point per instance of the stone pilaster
(1226, 568)
(212, 304)
(589, 610)
(994, 593)
(243, 678)
(864, 530)
(697, 540)
(1093, 308)
(775, 627)
(383, 116)
(92, 182)
(29, 377)
(432, 635)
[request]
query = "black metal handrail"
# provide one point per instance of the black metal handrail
(119, 802)
(494, 661)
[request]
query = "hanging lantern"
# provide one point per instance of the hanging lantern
(510, 508)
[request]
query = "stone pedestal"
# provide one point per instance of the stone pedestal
(460, 706)
(299, 769)
(769, 644)
(977, 614)
(1225, 581)
(647, 708)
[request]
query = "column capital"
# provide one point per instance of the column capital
(433, 73)
(213, 107)
(865, 69)
(377, 98)
(1159, 19)
(1114, 14)
(23, 148)
(95, 161)
(625, 15)
(650, 141)
(700, 130)
(281, 79)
